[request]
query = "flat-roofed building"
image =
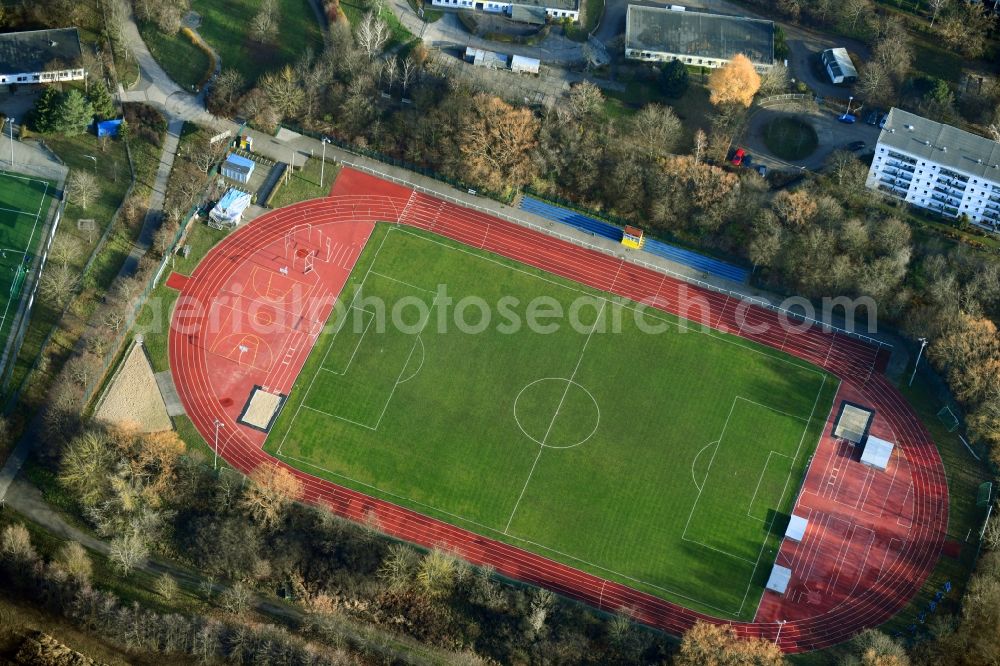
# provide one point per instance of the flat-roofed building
(659, 34)
(553, 9)
(938, 167)
(41, 56)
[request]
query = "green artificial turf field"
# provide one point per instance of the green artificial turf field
(664, 460)
(24, 203)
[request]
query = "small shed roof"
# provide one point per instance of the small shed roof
(522, 64)
(40, 51)
(877, 452)
(239, 164)
(839, 63)
(796, 528)
(778, 582)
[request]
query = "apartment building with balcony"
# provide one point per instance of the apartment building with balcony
(938, 167)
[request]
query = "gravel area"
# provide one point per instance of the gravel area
(133, 398)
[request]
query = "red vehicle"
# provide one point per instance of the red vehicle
(738, 156)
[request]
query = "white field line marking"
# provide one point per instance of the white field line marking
(423, 357)
(776, 411)
(709, 469)
(674, 320)
(364, 333)
(322, 363)
(548, 431)
(399, 380)
(402, 282)
(560, 553)
(24, 253)
(760, 480)
(694, 460)
(802, 439)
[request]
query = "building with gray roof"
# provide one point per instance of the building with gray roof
(41, 56)
(659, 34)
(534, 10)
(938, 167)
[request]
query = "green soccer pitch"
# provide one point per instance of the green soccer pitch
(666, 460)
(24, 204)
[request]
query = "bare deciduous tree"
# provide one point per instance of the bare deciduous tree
(74, 559)
(936, 6)
(272, 489)
(15, 542)
(58, 283)
(408, 72)
(64, 250)
(656, 130)
(166, 586)
(372, 34)
(585, 100)
(83, 188)
(236, 599)
(128, 551)
(264, 25)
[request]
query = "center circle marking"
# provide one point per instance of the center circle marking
(563, 393)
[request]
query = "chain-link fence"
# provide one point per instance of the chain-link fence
(396, 162)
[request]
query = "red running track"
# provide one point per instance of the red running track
(873, 538)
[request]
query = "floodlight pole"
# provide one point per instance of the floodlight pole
(923, 343)
(91, 157)
(218, 424)
(781, 625)
(11, 121)
(850, 99)
(322, 166)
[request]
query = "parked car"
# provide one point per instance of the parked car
(738, 157)
(856, 145)
(762, 170)
(746, 160)
(847, 118)
(872, 117)
(882, 120)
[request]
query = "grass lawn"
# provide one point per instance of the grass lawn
(305, 184)
(226, 27)
(592, 12)
(665, 461)
(790, 139)
(180, 58)
(153, 322)
(693, 107)
(355, 10)
(24, 205)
